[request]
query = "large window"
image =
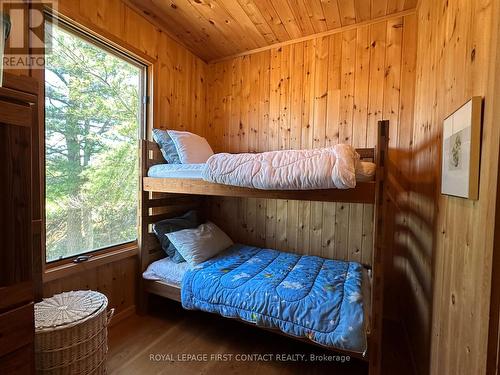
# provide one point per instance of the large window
(93, 118)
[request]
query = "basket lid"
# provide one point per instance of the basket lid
(67, 308)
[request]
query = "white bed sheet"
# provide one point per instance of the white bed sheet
(167, 271)
(192, 171)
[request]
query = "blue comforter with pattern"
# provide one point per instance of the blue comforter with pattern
(303, 296)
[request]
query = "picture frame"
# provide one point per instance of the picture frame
(461, 147)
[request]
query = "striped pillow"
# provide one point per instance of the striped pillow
(167, 146)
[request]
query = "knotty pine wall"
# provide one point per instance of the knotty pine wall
(117, 280)
(310, 94)
(445, 244)
(179, 100)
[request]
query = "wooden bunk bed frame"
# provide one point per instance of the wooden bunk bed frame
(163, 198)
(363, 193)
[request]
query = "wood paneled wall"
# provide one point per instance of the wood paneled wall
(178, 84)
(116, 280)
(310, 94)
(445, 243)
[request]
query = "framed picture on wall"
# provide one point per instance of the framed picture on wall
(461, 150)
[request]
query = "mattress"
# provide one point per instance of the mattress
(167, 271)
(190, 171)
(365, 171)
(303, 296)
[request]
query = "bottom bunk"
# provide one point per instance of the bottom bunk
(321, 301)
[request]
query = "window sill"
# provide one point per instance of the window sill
(54, 272)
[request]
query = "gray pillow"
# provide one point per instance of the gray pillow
(189, 220)
(174, 254)
(167, 146)
(200, 244)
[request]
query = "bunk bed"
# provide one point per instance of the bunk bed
(166, 197)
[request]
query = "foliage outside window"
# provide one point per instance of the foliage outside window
(92, 122)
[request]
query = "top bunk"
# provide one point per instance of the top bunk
(364, 192)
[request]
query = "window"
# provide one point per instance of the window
(93, 118)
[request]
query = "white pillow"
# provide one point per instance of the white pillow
(192, 148)
(199, 244)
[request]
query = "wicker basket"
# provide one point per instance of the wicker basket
(71, 333)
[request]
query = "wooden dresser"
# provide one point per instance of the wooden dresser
(19, 223)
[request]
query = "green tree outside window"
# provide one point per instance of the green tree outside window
(92, 120)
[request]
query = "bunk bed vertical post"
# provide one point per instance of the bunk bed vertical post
(142, 299)
(375, 340)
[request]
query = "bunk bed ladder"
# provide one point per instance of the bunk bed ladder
(154, 207)
(142, 297)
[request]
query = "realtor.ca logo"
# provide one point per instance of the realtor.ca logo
(22, 35)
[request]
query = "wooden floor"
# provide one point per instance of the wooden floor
(165, 341)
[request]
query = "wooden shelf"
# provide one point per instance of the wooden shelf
(363, 193)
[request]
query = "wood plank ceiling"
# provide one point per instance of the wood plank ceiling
(214, 29)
